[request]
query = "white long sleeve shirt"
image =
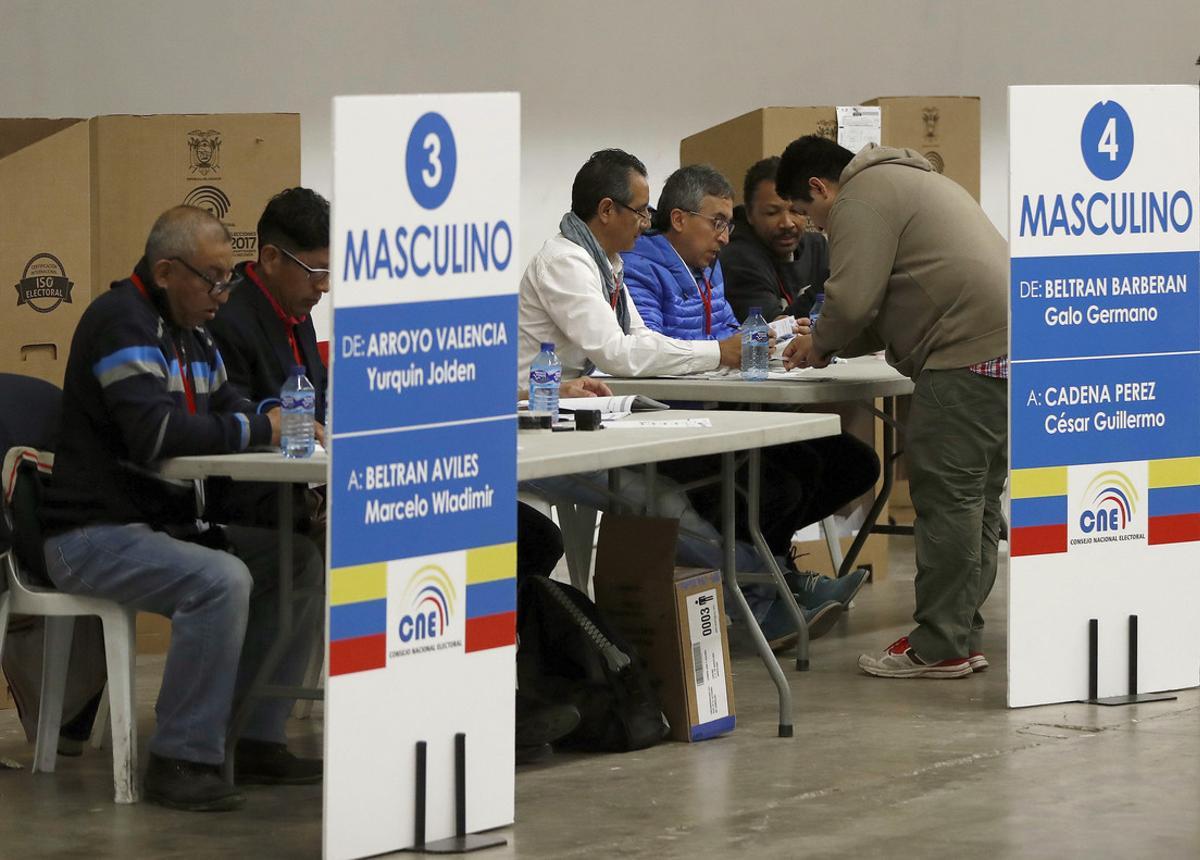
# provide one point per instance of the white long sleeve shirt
(562, 302)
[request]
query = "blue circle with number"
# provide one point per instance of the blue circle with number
(431, 160)
(1107, 140)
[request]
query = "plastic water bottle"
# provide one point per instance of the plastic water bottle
(545, 374)
(298, 403)
(755, 346)
(814, 313)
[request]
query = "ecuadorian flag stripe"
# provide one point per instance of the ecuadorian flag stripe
(491, 598)
(356, 584)
(352, 620)
(1033, 483)
(490, 563)
(491, 631)
(1176, 472)
(1167, 501)
(358, 655)
(1042, 511)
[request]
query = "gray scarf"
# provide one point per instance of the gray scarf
(574, 228)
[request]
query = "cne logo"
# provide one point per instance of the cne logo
(1109, 504)
(431, 596)
(211, 199)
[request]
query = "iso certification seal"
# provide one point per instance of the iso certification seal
(44, 284)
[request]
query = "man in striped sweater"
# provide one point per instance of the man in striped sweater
(144, 382)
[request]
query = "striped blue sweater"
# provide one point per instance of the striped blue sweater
(125, 408)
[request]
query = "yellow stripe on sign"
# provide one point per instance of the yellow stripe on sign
(490, 563)
(356, 584)
(1179, 472)
(1035, 483)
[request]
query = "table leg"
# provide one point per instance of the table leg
(283, 633)
(729, 532)
(753, 480)
(888, 467)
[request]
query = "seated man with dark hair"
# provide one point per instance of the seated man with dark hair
(772, 261)
(144, 382)
(266, 328)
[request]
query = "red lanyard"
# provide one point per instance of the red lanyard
(185, 372)
(289, 323)
(783, 289)
(706, 297)
(616, 293)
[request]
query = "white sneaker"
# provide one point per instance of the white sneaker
(901, 661)
(978, 662)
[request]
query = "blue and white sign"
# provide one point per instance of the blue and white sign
(1105, 371)
(422, 535)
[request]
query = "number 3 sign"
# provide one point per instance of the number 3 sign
(430, 160)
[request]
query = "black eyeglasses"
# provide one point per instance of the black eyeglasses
(215, 288)
(719, 223)
(314, 275)
(643, 213)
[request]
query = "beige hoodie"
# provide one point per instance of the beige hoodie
(916, 267)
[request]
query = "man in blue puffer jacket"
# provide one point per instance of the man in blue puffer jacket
(675, 281)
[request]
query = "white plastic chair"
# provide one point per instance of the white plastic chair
(60, 610)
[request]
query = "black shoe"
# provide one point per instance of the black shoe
(540, 723)
(266, 763)
(189, 785)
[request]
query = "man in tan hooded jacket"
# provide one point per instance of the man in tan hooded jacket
(917, 268)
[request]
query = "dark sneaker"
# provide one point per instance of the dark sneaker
(189, 786)
(812, 589)
(901, 661)
(266, 763)
(780, 628)
(979, 663)
(540, 723)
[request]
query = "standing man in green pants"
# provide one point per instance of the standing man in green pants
(917, 268)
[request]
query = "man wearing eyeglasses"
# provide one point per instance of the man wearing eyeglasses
(266, 328)
(145, 382)
(675, 279)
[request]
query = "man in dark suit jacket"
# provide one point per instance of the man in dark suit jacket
(266, 328)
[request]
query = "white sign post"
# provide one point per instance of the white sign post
(1104, 390)
(422, 536)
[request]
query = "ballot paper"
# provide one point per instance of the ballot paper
(784, 329)
(639, 423)
(858, 126)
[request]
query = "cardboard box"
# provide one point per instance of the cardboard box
(945, 129)
(734, 145)
(81, 196)
(675, 618)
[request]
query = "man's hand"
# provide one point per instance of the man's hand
(803, 326)
(800, 353)
(584, 386)
(319, 433)
(731, 349)
(275, 417)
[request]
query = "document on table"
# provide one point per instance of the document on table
(639, 423)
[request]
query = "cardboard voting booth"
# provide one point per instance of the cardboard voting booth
(80, 196)
(422, 540)
(1104, 413)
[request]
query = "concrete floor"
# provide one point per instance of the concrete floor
(877, 769)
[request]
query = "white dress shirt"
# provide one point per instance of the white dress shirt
(562, 302)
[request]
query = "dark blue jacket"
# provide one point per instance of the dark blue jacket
(125, 408)
(666, 293)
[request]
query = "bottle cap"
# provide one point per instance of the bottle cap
(547, 346)
(755, 311)
(820, 297)
(299, 370)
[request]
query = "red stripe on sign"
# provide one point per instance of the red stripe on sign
(360, 654)
(1177, 528)
(491, 631)
(1038, 540)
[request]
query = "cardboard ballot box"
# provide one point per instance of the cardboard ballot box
(80, 196)
(945, 129)
(675, 618)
